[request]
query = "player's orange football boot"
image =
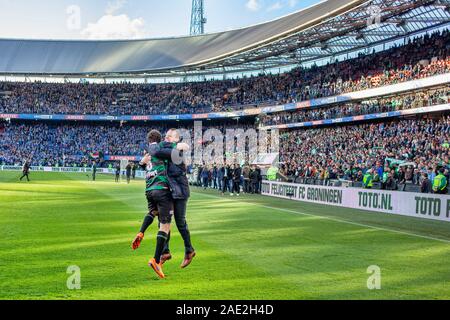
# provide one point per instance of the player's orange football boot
(165, 257)
(137, 241)
(157, 267)
(187, 259)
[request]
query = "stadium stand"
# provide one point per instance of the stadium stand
(346, 152)
(422, 57)
(410, 100)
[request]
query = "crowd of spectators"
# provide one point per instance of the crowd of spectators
(406, 150)
(73, 143)
(57, 144)
(376, 105)
(228, 178)
(421, 57)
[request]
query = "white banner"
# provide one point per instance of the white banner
(139, 173)
(400, 87)
(420, 205)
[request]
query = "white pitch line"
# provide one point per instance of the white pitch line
(334, 219)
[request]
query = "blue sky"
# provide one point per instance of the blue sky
(127, 19)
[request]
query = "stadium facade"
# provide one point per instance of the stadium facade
(324, 32)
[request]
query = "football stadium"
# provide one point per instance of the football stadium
(301, 156)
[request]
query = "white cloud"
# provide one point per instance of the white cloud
(253, 5)
(292, 3)
(276, 6)
(115, 27)
(115, 6)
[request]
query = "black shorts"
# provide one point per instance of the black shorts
(160, 203)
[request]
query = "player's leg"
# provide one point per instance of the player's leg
(179, 209)
(148, 220)
(237, 187)
(165, 206)
(224, 185)
(163, 199)
(182, 226)
(166, 255)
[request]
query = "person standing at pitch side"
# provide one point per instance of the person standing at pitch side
(25, 170)
(179, 185)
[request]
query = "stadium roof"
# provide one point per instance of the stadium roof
(327, 29)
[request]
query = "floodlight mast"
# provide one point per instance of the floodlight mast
(198, 19)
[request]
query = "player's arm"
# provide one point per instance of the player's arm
(157, 151)
(165, 152)
(145, 160)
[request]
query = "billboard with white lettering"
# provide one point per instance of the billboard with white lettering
(420, 205)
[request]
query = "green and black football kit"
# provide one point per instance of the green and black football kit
(176, 175)
(157, 190)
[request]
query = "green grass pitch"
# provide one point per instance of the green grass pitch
(251, 247)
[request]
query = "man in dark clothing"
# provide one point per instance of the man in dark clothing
(94, 170)
(133, 170)
(117, 172)
(253, 180)
(199, 176)
(401, 175)
(237, 179)
(220, 175)
(359, 176)
(214, 177)
(25, 171)
(246, 175)
(426, 186)
(259, 175)
(230, 175)
(205, 174)
(390, 182)
(225, 170)
(128, 169)
(416, 176)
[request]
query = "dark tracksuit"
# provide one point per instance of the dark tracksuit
(254, 181)
(133, 171)
(205, 174)
(117, 173)
(259, 185)
(179, 185)
(229, 179)
(128, 170)
(25, 171)
(237, 180)
(214, 177)
(220, 174)
(94, 172)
